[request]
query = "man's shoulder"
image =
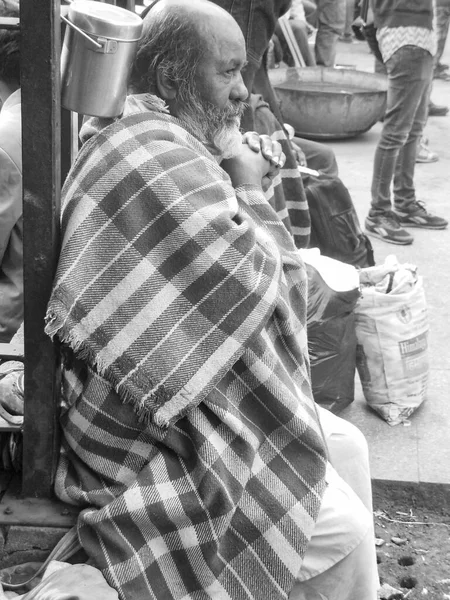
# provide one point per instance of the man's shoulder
(142, 140)
(143, 129)
(144, 143)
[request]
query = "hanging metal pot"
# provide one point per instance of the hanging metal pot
(99, 46)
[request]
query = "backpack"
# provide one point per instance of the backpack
(335, 227)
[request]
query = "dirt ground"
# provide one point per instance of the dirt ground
(413, 549)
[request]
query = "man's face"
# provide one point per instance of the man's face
(218, 77)
(215, 109)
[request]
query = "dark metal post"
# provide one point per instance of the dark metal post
(41, 138)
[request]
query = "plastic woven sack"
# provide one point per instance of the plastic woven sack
(392, 353)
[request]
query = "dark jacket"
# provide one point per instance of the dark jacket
(403, 13)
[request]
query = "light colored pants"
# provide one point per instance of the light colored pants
(340, 562)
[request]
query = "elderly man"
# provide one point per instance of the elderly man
(190, 437)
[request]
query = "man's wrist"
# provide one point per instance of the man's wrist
(240, 174)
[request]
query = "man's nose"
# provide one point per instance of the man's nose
(239, 91)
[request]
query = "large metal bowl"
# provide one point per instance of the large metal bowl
(327, 103)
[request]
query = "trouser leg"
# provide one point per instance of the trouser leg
(300, 31)
(318, 156)
(349, 454)
(349, 17)
(355, 575)
(404, 190)
(409, 72)
(442, 26)
(331, 23)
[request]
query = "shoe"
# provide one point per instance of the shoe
(416, 215)
(425, 155)
(386, 227)
(437, 111)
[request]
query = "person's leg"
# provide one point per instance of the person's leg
(355, 575)
(406, 86)
(310, 12)
(348, 453)
(409, 211)
(349, 18)
(300, 31)
(405, 92)
(318, 156)
(442, 12)
(331, 23)
(404, 191)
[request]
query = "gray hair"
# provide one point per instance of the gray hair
(171, 44)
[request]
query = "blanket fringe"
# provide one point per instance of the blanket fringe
(145, 409)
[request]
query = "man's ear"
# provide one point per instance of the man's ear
(166, 87)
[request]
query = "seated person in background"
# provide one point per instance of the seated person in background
(331, 17)
(301, 30)
(11, 245)
(190, 436)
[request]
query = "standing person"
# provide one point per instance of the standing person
(331, 17)
(301, 31)
(442, 9)
(190, 436)
(407, 44)
(11, 246)
(348, 35)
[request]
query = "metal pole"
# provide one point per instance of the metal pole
(41, 141)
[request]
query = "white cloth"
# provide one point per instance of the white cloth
(340, 561)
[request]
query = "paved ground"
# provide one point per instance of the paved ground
(420, 452)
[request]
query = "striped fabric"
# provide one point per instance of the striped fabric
(286, 193)
(390, 39)
(190, 438)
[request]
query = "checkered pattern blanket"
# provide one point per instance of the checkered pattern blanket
(190, 438)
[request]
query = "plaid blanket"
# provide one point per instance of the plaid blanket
(190, 438)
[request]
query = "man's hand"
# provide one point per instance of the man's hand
(261, 157)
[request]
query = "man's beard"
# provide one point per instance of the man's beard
(217, 128)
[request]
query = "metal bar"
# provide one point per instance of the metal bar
(291, 42)
(69, 140)
(41, 141)
(81, 32)
(35, 512)
(9, 23)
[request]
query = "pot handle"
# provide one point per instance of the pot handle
(84, 34)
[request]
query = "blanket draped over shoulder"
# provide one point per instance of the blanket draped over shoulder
(190, 439)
